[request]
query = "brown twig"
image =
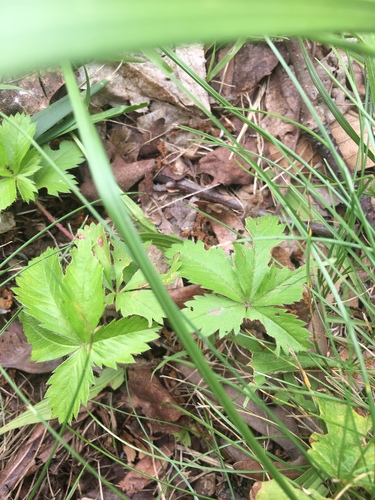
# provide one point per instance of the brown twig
(53, 220)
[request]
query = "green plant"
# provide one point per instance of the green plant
(152, 24)
(61, 316)
(244, 286)
(24, 170)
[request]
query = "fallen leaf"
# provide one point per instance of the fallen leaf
(6, 300)
(15, 352)
(153, 400)
(22, 463)
(135, 481)
(126, 174)
(223, 166)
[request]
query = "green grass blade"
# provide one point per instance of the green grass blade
(78, 30)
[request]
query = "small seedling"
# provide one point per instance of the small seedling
(246, 285)
(61, 317)
(24, 170)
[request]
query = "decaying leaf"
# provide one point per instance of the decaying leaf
(135, 481)
(15, 352)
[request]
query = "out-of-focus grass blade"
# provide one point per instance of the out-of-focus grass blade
(46, 32)
(69, 124)
(48, 117)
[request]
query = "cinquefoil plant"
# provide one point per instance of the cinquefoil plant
(246, 285)
(61, 318)
(24, 170)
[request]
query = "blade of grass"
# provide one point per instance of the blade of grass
(78, 30)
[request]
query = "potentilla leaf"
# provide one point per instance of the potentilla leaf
(31, 163)
(46, 345)
(212, 313)
(69, 385)
(26, 187)
(253, 263)
(100, 247)
(288, 331)
(280, 286)
(8, 192)
(120, 340)
(346, 451)
(15, 142)
(267, 227)
(66, 157)
(212, 269)
(141, 302)
(83, 278)
(40, 289)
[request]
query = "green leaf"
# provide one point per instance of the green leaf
(41, 291)
(15, 142)
(257, 259)
(271, 489)
(69, 385)
(120, 340)
(288, 331)
(26, 187)
(345, 452)
(99, 244)
(66, 157)
(140, 302)
(280, 286)
(212, 269)
(212, 313)
(121, 260)
(83, 278)
(46, 345)
(8, 193)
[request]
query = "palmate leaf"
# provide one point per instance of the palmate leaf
(8, 192)
(66, 157)
(61, 318)
(69, 385)
(140, 302)
(209, 268)
(16, 143)
(345, 452)
(245, 286)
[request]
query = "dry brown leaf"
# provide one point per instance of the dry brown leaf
(244, 72)
(22, 463)
(15, 352)
(126, 174)
(38, 89)
(153, 400)
(348, 148)
(6, 300)
(134, 481)
(224, 168)
(259, 476)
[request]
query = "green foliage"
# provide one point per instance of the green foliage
(61, 317)
(24, 170)
(244, 286)
(346, 452)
